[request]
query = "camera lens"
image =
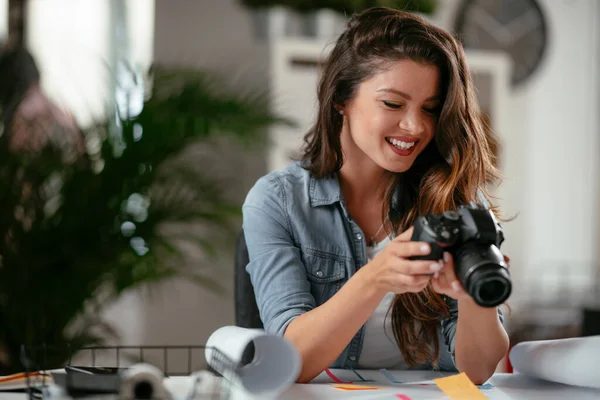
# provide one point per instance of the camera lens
(490, 285)
(483, 274)
(491, 290)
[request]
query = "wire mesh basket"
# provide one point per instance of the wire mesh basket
(101, 369)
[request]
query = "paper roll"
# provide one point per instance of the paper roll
(273, 362)
(572, 361)
(143, 382)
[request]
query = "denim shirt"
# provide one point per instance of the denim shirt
(303, 246)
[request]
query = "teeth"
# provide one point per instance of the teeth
(400, 144)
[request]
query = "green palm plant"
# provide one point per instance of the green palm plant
(95, 228)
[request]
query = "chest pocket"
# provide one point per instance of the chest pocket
(326, 273)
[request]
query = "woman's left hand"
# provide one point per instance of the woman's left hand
(445, 281)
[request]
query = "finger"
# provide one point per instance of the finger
(450, 275)
(410, 249)
(448, 269)
(418, 267)
(507, 261)
(406, 235)
(442, 280)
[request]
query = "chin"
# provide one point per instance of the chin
(397, 168)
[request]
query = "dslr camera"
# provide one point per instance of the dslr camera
(473, 236)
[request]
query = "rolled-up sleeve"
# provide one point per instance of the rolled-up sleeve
(276, 270)
(449, 326)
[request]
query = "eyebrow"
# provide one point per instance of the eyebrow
(405, 95)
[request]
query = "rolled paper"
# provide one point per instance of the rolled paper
(571, 361)
(263, 364)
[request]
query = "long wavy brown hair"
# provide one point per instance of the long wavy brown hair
(456, 166)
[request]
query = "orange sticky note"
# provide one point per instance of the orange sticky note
(355, 387)
(459, 387)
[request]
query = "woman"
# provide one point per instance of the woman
(397, 135)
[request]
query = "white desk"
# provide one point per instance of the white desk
(416, 385)
(504, 387)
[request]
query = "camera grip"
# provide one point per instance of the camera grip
(437, 253)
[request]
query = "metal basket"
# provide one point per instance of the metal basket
(98, 369)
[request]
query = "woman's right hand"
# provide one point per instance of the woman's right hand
(392, 270)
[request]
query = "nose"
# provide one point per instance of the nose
(412, 122)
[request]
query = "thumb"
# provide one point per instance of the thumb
(406, 235)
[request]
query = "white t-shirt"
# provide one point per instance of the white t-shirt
(379, 349)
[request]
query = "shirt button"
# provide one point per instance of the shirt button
(358, 236)
(353, 358)
(320, 274)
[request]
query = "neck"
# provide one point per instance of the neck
(362, 184)
(362, 181)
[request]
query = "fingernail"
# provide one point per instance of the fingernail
(435, 267)
(425, 249)
(456, 286)
(446, 256)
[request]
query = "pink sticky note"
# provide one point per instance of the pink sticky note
(403, 397)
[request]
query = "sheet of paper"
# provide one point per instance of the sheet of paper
(459, 387)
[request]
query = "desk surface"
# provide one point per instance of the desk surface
(416, 385)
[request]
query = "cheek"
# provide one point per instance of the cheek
(384, 124)
(430, 126)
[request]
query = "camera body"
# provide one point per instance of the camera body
(473, 236)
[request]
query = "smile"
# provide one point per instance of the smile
(400, 144)
(402, 147)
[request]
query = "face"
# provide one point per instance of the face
(392, 117)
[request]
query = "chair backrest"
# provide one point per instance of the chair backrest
(246, 310)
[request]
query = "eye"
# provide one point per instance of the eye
(432, 110)
(392, 105)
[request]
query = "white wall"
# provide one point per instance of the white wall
(559, 108)
(74, 43)
(71, 41)
(216, 34)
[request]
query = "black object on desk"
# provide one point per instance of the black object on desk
(79, 381)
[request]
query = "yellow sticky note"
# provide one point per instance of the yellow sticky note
(459, 387)
(355, 387)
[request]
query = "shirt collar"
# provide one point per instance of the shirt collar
(324, 191)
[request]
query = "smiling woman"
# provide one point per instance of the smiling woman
(397, 134)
